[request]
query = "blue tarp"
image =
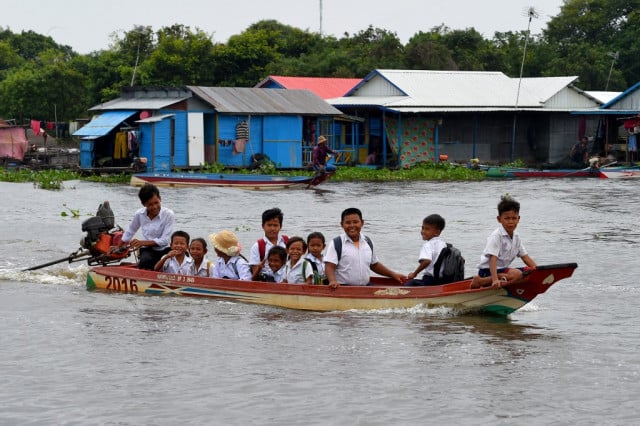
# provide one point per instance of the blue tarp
(104, 123)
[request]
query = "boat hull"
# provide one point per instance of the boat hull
(621, 173)
(505, 172)
(382, 294)
(256, 182)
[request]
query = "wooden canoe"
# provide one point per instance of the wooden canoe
(382, 294)
(244, 181)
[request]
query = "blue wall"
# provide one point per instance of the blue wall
(283, 140)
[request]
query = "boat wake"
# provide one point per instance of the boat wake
(75, 275)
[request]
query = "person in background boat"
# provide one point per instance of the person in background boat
(319, 155)
(432, 226)
(356, 256)
(276, 259)
(229, 263)
(157, 226)
(298, 270)
(503, 246)
(177, 261)
(315, 246)
(579, 153)
(201, 267)
(271, 224)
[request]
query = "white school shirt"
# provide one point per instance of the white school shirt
(319, 263)
(158, 229)
(278, 276)
(431, 250)
(355, 263)
(293, 275)
(227, 269)
(172, 266)
(205, 269)
(500, 244)
(254, 254)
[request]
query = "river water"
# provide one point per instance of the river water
(70, 356)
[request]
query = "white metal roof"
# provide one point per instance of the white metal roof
(603, 97)
(424, 90)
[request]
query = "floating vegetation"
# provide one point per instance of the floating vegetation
(53, 179)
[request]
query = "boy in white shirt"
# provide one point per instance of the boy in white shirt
(503, 246)
(176, 261)
(432, 226)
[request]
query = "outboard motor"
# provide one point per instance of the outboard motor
(94, 226)
(103, 238)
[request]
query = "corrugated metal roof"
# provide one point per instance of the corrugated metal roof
(618, 99)
(104, 123)
(544, 88)
(251, 100)
(454, 90)
(322, 86)
(137, 103)
(601, 96)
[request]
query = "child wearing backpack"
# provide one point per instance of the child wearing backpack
(315, 247)
(350, 256)
(503, 246)
(271, 224)
(276, 259)
(432, 226)
(298, 270)
(229, 263)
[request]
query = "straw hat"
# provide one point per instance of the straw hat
(322, 139)
(226, 242)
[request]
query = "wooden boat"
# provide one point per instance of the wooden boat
(606, 172)
(383, 293)
(621, 172)
(516, 172)
(244, 181)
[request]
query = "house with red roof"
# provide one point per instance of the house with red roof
(325, 88)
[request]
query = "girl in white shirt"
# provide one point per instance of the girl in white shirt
(298, 270)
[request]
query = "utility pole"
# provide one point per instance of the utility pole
(320, 17)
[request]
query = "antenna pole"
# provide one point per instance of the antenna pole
(320, 17)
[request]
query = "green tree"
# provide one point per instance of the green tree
(181, 57)
(586, 32)
(427, 51)
(44, 89)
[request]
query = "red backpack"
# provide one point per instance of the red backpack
(262, 245)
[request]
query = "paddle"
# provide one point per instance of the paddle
(69, 258)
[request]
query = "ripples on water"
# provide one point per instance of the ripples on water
(570, 357)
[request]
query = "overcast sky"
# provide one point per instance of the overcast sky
(86, 25)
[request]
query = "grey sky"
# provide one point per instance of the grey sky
(86, 25)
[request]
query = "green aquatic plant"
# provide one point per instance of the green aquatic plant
(424, 171)
(74, 212)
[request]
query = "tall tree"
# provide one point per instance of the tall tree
(584, 35)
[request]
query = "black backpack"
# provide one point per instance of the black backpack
(449, 266)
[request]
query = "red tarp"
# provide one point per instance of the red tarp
(13, 142)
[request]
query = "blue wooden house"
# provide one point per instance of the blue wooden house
(181, 128)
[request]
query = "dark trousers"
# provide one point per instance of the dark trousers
(149, 257)
(425, 280)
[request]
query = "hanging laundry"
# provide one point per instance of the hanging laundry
(120, 146)
(239, 145)
(35, 127)
(632, 144)
(242, 130)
